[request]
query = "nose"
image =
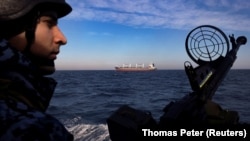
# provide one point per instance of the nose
(59, 36)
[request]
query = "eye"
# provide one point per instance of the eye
(51, 23)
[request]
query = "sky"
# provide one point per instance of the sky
(102, 34)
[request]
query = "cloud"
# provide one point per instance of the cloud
(178, 14)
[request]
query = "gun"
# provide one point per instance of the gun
(209, 47)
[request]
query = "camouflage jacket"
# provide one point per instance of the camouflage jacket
(24, 98)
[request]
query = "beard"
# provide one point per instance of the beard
(45, 66)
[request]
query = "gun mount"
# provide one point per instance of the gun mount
(209, 47)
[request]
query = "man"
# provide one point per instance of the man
(29, 43)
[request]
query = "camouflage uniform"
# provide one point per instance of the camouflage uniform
(24, 98)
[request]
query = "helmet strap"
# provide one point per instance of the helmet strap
(30, 33)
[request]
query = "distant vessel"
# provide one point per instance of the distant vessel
(136, 68)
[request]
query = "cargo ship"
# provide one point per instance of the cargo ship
(136, 68)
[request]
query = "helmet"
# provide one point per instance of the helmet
(14, 9)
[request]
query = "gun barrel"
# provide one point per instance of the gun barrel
(221, 67)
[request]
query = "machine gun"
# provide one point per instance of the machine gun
(209, 47)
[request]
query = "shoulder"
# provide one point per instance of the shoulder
(34, 125)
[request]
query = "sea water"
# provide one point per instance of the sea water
(83, 100)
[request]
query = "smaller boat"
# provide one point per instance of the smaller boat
(136, 68)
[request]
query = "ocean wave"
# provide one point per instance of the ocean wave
(87, 131)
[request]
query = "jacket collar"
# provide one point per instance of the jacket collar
(16, 67)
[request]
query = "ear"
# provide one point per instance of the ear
(18, 41)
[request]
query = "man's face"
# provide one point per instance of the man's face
(48, 37)
(47, 42)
